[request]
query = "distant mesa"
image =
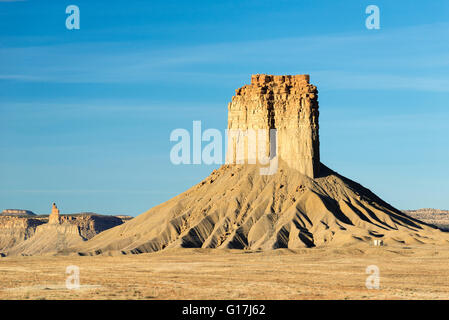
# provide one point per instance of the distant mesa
(437, 217)
(17, 212)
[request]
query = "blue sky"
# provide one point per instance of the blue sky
(86, 114)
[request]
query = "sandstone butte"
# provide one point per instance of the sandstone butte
(304, 204)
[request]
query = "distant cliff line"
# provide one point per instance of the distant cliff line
(437, 217)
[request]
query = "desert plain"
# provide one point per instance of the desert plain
(405, 272)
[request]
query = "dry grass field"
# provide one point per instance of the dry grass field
(330, 273)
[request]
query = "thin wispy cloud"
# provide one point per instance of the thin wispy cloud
(335, 79)
(363, 58)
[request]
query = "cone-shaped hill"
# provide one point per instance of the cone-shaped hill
(302, 204)
(236, 207)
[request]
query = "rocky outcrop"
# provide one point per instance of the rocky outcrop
(48, 239)
(90, 225)
(51, 234)
(288, 104)
(14, 230)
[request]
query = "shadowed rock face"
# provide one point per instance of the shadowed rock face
(90, 225)
(304, 204)
(16, 229)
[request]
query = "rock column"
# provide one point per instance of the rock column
(288, 104)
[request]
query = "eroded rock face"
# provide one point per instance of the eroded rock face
(14, 230)
(51, 234)
(90, 225)
(288, 104)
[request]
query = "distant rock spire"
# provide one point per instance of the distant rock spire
(54, 216)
